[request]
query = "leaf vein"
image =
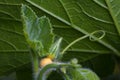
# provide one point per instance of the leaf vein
(93, 17)
(100, 4)
(12, 45)
(74, 26)
(11, 31)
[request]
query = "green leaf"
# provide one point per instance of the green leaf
(90, 16)
(10, 14)
(24, 73)
(114, 9)
(38, 31)
(13, 48)
(14, 52)
(81, 74)
(55, 49)
(84, 17)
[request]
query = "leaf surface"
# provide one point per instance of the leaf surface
(38, 31)
(82, 15)
(14, 52)
(70, 18)
(81, 74)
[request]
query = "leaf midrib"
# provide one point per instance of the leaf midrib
(75, 27)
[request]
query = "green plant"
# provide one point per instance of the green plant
(71, 19)
(38, 33)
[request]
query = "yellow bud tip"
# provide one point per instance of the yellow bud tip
(45, 61)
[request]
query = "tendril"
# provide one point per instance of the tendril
(97, 35)
(94, 36)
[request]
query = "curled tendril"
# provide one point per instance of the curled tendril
(94, 35)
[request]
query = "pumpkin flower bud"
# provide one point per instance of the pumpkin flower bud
(45, 61)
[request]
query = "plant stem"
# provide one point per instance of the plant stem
(72, 43)
(35, 61)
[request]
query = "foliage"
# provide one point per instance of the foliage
(71, 19)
